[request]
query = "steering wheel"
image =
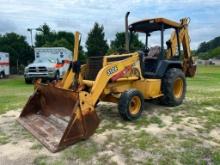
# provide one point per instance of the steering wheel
(146, 50)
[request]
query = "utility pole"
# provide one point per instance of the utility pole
(32, 45)
(30, 30)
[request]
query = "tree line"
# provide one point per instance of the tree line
(209, 49)
(21, 53)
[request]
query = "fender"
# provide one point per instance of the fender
(164, 65)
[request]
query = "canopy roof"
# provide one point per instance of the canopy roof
(154, 24)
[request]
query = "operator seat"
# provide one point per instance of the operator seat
(151, 60)
(154, 52)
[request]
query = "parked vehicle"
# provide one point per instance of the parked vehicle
(4, 65)
(49, 64)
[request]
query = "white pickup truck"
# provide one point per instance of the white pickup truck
(49, 64)
(4, 65)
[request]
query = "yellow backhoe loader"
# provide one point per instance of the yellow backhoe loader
(62, 113)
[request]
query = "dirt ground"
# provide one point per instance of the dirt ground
(159, 134)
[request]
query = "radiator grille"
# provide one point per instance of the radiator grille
(94, 66)
(37, 69)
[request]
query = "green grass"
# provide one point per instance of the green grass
(80, 151)
(172, 147)
(3, 138)
(36, 146)
(204, 93)
(14, 93)
(41, 160)
(156, 120)
(144, 140)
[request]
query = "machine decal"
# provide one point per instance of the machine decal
(112, 70)
(121, 73)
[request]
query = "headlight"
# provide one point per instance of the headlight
(50, 69)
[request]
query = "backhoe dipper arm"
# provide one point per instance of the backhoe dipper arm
(188, 63)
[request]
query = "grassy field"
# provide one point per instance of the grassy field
(13, 93)
(187, 134)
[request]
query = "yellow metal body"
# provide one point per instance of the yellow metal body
(60, 114)
(103, 88)
(184, 39)
(69, 75)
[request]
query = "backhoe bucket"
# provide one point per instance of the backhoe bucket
(53, 115)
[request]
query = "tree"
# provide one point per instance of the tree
(203, 47)
(59, 43)
(214, 52)
(19, 50)
(118, 44)
(45, 35)
(207, 46)
(48, 38)
(66, 35)
(96, 44)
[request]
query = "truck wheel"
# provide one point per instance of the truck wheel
(2, 75)
(57, 76)
(173, 87)
(28, 81)
(131, 104)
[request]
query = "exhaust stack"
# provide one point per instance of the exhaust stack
(126, 32)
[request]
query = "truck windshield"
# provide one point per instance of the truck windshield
(40, 60)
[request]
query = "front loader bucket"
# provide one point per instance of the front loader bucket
(53, 115)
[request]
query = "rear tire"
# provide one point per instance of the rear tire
(173, 87)
(131, 104)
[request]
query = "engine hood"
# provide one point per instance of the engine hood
(43, 64)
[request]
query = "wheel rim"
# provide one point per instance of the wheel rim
(135, 105)
(178, 88)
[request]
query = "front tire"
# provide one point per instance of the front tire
(1, 75)
(173, 87)
(28, 81)
(57, 76)
(131, 104)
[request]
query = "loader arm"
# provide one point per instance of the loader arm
(106, 73)
(69, 75)
(188, 64)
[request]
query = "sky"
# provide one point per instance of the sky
(80, 15)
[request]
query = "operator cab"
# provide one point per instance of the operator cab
(153, 59)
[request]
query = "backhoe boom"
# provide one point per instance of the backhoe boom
(183, 36)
